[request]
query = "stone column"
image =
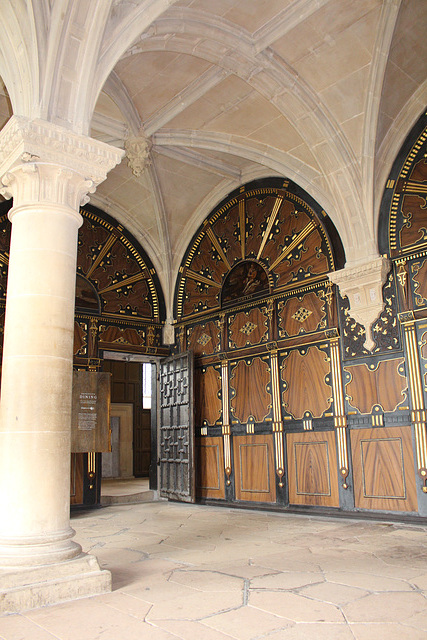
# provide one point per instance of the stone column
(48, 171)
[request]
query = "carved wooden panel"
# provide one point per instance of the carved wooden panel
(207, 395)
(247, 328)
(302, 314)
(419, 275)
(210, 468)
(250, 396)
(258, 240)
(203, 339)
(385, 330)
(80, 337)
(368, 385)
(383, 469)
(312, 468)
(305, 390)
(113, 335)
(254, 468)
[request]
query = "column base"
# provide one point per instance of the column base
(33, 587)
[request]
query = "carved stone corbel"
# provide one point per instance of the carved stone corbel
(138, 153)
(363, 285)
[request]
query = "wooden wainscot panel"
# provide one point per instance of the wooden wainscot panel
(207, 389)
(249, 380)
(90, 420)
(210, 468)
(383, 469)
(76, 478)
(303, 373)
(367, 385)
(254, 468)
(302, 315)
(312, 468)
(247, 328)
(203, 339)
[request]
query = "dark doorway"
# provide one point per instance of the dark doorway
(131, 383)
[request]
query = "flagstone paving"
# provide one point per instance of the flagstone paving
(211, 573)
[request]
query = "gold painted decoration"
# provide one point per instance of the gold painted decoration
(419, 275)
(256, 243)
(340, 419)
(385, 330)
(277, 418)
(226, 421)
(80, 338)
(418, 413)
(116, 335)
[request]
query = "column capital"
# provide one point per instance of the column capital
(36, 154)
(363, 286)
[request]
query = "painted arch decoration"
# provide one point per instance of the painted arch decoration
(118, 295)
(403, 215)
(265, 238)
(116, 270)
(114, 276)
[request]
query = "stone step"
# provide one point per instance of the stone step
(131, 498)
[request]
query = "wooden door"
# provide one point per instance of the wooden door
(177, 473)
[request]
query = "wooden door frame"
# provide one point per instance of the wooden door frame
(155, 362)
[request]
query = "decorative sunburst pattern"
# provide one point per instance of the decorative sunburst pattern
(115, 277)
(273, 229)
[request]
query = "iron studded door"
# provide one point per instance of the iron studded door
(177, 473)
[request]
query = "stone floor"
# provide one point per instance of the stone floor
(211, 573)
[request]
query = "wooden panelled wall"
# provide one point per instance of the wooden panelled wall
(291, 409)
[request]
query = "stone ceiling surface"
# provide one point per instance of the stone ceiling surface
(319, 91)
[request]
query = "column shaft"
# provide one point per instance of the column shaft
(36, 387)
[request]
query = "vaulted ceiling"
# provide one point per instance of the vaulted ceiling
(319, 91)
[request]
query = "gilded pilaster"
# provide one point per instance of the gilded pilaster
(340, 420)
(226, 420)
(277, 418)
(418, 413)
